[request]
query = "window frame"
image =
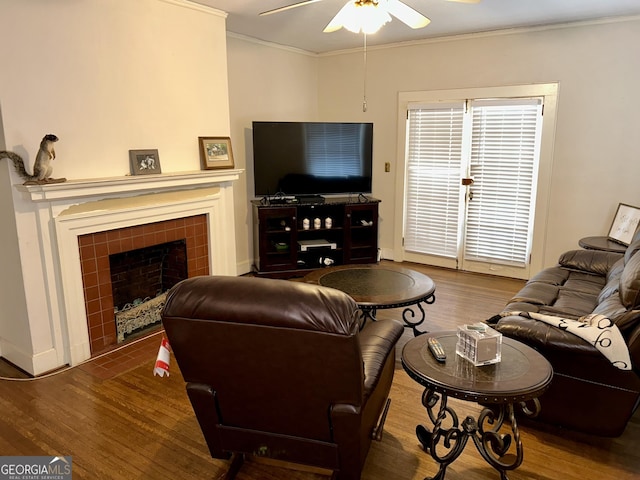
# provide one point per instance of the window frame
(550, 92)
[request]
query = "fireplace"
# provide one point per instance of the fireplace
(117, 266)
(73, 227)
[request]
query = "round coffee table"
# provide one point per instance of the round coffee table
(519, 378)
(375, 286)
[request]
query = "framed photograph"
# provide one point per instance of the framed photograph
(625, 224)
(215, 152)
(144, 162)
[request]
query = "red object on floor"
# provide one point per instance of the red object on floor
(162, 361)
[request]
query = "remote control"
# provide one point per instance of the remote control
(436, 349)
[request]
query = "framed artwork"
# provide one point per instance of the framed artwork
(215, 152)
(144, 162)
(625, 224)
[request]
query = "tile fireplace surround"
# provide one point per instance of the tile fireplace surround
(97, 248)
(61, 213)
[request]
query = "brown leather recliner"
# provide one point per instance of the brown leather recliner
(280, 369)
(587, 393)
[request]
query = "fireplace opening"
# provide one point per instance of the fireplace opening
(140, 280)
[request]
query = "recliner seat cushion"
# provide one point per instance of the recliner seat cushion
(585, 282)
(575, 303)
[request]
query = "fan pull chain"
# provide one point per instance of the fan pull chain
(364, 87)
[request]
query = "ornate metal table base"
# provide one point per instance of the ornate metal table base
(410, 318)
(520, 378)
(485, 433)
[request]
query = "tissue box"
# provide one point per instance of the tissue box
(479, 343)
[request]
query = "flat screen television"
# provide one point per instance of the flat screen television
(312, 158)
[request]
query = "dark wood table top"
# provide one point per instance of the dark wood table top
(521, 375)
(601, 243)
(376, 286)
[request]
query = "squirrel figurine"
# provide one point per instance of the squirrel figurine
(42, 168)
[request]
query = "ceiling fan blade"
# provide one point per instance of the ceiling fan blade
(337, 22)
(289, 7)
(406, 14)
(465, 1)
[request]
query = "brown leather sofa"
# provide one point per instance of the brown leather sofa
(587, 393)
(280, 369)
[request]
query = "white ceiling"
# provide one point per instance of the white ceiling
(302, 27)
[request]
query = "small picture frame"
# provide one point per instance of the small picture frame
(144, 162)
(625, 224)
(215, 152)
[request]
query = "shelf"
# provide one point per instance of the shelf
(361, 246)
(361, 227)
(315, 230)
(92, 187)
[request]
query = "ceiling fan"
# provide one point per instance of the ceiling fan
(351, 15)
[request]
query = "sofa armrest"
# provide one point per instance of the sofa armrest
(592, 261)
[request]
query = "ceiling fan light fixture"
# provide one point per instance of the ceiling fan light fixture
(366, 16)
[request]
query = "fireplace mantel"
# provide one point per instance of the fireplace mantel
(48, 326)
(74, 189)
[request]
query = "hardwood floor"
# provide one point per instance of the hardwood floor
(132, 425)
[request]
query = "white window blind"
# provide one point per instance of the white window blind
(434, 153)
(505, 141)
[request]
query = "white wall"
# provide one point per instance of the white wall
(106, 76)
(265, 83)
(106, 81)
(597, 157)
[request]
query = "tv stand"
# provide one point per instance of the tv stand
(283, 247)
(309, 199)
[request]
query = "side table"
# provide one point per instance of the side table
(601, 243)
(520, 378)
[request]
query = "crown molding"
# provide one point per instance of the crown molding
(265, 43)
(441, 39)
(489, 33)
(197, 6)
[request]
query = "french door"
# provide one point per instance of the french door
(470, 183)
